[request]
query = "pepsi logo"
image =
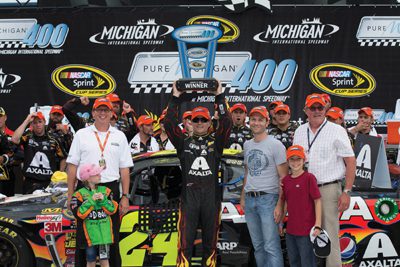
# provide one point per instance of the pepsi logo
(348, 247)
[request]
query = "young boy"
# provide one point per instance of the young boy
(92, 206)
(303, 203)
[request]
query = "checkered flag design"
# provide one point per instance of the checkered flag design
(379, 42)
(12, 44)
(158, 88)
(241, 5)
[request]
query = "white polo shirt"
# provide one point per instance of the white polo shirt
(325, 158)
(85, 149)
(134, 145)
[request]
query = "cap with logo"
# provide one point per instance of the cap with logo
(367, 110)
(321, 243)
(187, 114)
(282, 107)
(201, 112)
(238, 106)
(102, 101)
(2, 111)
(144, 119)
(40, 116)
(295, 150)
(260, 110)
(314, 99)
(272, 105)
(335, 113)
(57, 109)
(113, 98)
(327, 98)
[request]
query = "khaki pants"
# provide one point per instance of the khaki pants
(330, 221)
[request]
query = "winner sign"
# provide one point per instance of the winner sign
(197, 58)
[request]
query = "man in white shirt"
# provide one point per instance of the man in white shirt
(144, 141)
(107, 147)
(330, 158)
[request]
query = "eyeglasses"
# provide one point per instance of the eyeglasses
(197, 120)
(319, 108)
(99, 110)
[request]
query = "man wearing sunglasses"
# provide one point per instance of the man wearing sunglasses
(200, 155)
(330, 158)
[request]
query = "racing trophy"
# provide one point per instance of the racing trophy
(193, 58)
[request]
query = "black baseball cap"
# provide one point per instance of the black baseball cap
(321, 243)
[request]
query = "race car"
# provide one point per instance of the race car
(38, 230)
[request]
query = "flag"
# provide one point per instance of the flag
(241, 5)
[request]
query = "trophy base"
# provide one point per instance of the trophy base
(201, 84)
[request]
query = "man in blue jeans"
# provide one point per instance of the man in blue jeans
(265, 165)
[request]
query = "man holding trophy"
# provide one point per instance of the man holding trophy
(200, 156)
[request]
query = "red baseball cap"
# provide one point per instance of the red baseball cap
(313, 99)
(335, 113)
(113, 98)
(187, 114)
(367, 110)
(260, 110)
(201, 112)
(327, 98)
(283, 107)
(56, 109)
(238, 106)
(295, 150)
(40, 116)
(102, 101)
(144, 119)
(272, 105)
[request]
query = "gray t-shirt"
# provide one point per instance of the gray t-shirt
(261, 159)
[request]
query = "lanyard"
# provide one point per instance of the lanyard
(315, 137)
(102, 146)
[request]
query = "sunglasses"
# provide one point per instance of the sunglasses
(319, 108)
(197, 120)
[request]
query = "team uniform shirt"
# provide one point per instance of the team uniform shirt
(5, 150)
(299, 194)
(41, 155)
(138, 147)
(164, 145)
(326, 155)
(86, 149)
(286, 137)
(65, 140)
(239, 135)
(262, 159)
(94, 221)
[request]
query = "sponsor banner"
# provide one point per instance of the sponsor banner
(50, 59)
(49, 218)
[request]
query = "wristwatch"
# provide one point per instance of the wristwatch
(128, 196)
(347, 191)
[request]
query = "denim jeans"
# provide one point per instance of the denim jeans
(259, 212)
(300, 251)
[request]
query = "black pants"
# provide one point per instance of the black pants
(30, 185)
(115, 257)
(198, 207)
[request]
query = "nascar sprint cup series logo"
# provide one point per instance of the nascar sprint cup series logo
(82, 80)
(310, 31)
(27, 36)
(342, 80)
(145, 32)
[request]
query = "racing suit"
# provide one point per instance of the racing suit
(239, 135)
(201, 195)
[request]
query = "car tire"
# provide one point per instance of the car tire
(14, 250)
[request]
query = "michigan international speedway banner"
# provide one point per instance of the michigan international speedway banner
(48, 56)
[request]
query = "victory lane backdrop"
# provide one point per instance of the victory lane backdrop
(260, 58)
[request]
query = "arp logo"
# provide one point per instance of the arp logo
(342, 80)
(230, 31)
(83, 80)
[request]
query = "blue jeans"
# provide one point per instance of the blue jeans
(300, 251)
(264, 233)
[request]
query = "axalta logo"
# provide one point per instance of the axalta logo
(7, 81)
(230, 31)
(342, 80)
(145, 32)
(200, 167)
(308, 32)
(83, 80)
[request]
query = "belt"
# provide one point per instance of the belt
(331, 182)
(255, 193)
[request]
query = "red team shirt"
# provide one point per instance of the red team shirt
(300, 193)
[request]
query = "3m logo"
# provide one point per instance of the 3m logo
(200, 167)
(52, 227)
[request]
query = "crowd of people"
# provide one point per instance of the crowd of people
(288, 167)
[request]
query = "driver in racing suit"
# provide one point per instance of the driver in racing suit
(200, 157)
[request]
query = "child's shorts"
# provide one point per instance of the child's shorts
(102, 250)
